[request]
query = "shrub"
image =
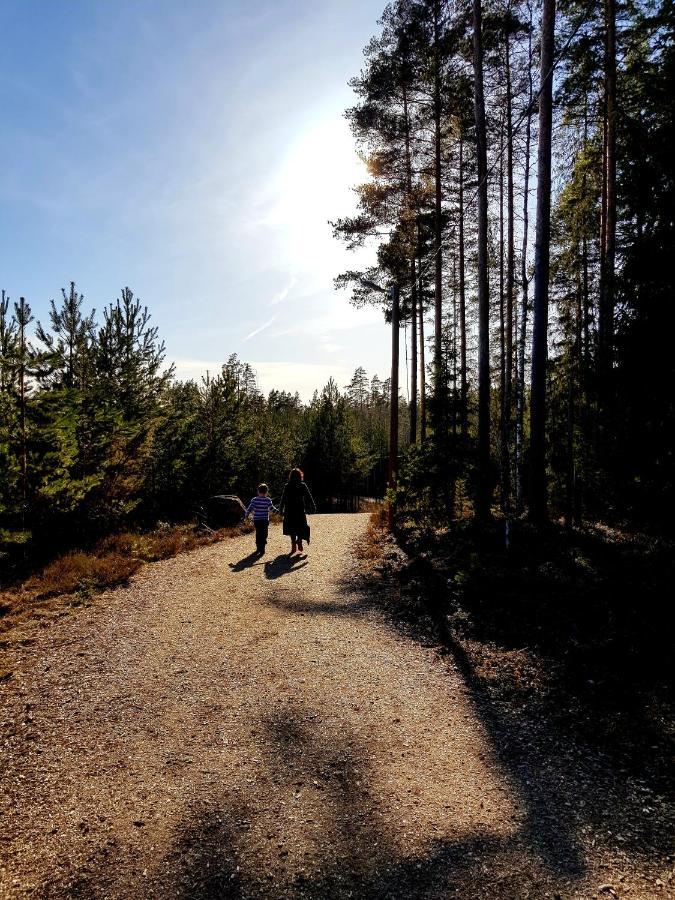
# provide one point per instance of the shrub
(125, 544)
(166, 544)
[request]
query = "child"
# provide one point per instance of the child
(260, 506)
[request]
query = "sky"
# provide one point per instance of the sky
(194, 152)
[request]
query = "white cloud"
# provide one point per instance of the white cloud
(194, 369)
(304, 378)
(329, 345)
(339, 316)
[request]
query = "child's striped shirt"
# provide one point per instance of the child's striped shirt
(260, 506)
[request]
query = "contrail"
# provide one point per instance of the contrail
(258, 330)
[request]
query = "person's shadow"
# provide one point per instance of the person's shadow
(246, 562)
(284, 564)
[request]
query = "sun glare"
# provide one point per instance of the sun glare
(314, 184)
(320, 170)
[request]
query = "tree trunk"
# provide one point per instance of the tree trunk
(520, 387)
(538, 502)
(413, 352)
(423, 370)
(23, 319)
(483, 486)
(413, 282)
(454, 344)
(22, 421)
(603, 240)
(503, 364)
(438, 224)
(510, 270)
(576, 390)
(570, 471)
(464, 417)
(584, 348)
(393, 411)
(606, 318)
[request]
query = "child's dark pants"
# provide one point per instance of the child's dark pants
(261, 530)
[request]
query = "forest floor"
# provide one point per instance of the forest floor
(232, 727)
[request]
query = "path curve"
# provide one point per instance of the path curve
(224, 727)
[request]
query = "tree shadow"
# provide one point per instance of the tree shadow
(284, 564)
(319, 607)
(538, 768)
(214, 858)
(569, 781)
(204, 859)
(223, 849)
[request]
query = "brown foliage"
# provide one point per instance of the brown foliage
(167, 544)
(371, 545)
(80, 571)
(125, 544)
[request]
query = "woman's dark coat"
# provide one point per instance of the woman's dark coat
(295, 500)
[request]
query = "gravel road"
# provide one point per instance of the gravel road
(231, 727)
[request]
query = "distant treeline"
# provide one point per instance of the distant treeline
(96, 434)
(521, 193)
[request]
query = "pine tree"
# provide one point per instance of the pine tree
(23, 359)
(9, 409)
(483, 485)
(130, 358)
(70, 341)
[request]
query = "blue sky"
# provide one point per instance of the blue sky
(193, 151)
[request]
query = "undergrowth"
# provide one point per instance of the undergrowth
(370, 547)
(576, 618)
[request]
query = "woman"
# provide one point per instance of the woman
(293, 506)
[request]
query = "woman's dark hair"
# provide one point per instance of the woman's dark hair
(295, 475)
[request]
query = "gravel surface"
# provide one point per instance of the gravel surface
(234, 727)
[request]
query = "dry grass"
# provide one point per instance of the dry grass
(370, 546)
(378, 517)
(163, 543)
(80, 572)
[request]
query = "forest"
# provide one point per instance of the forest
(520, 195)
(521, 205)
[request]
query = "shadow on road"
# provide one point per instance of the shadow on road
(230, 852)
(246, 562)
(572, 781)
(284, 564)
(319, 836)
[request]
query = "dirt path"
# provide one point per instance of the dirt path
(229, 728)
